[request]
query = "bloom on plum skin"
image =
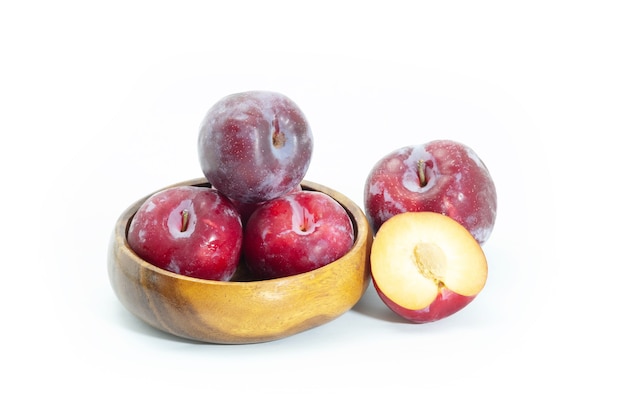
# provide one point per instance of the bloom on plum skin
(441, 176)
(255, 146)
(188, 230)
(296, 233)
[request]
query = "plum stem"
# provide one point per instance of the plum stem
(304, 226)
(185, 220)
(421, 173)
(278, 137)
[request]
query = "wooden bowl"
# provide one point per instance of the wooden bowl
(240, 311)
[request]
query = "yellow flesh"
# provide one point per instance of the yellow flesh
(414, 253)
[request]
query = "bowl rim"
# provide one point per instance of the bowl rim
(356, 214)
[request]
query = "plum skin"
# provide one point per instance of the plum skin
(207, 245)
(296, 233)
(446, 304)
(457, 184)
(255, 146)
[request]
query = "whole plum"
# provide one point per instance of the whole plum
(255, 146)
(193, 231)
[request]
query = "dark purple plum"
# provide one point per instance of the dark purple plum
(255, 146)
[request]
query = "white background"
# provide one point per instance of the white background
(101, 104)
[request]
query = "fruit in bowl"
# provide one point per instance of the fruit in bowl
(426, 266)
(441, 176)
(193, 231)
(296, 233)
(173, 253)
(244, 309)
